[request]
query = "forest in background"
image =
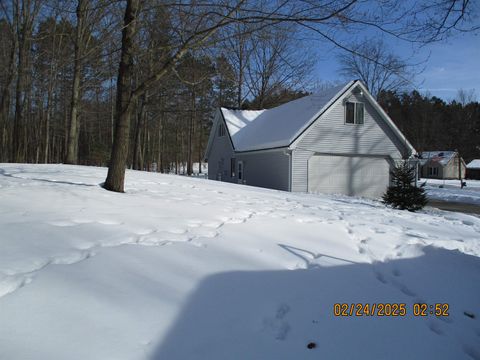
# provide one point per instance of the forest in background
(432, 124)
(59, 62)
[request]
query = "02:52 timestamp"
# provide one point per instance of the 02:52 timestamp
(422, 309)
(389, 309)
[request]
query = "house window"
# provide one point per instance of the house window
(232, 167)
(432, 171)
(221, 130)
(240, 170)
(354, 113)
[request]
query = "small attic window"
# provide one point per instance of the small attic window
(354, 113)
(221, 130)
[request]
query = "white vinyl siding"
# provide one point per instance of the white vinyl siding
(329, 135)
(327, 150)
(269, 169)
(300, 170)
(350, 175)
(220, 154)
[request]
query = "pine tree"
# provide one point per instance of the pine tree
(403, 194)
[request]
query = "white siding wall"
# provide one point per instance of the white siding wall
(269, 169)
(450, 171)
(219, 157)
(300, 169)
(330, 135)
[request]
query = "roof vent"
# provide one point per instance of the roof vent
(357, 91)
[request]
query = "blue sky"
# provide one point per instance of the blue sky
(449, 66)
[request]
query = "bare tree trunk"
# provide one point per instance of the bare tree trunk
(6, 97)
(200, 155)
(190, 132)
(19, 100)
(139, 129)
(74, 127)
(47, 127)
(116, 170)
(161, 129)
(53, 77)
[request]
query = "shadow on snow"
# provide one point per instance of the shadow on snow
(275, 314)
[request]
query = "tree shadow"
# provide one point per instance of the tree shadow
(3, 173)
(275, 314)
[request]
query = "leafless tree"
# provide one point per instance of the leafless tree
(278, 60)
(195, 24)
(88, 15)
(65, 92)
(466, 96)
(379, 68)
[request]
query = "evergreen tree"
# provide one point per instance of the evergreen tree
(403, 194)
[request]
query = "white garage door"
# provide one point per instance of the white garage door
(349, 175)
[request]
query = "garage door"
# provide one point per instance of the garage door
(349, 175)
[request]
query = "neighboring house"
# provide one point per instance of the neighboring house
(336, 141)
(441, 165)
(473, 169)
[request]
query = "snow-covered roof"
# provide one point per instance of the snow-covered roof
(279, 126)
(442, 157)
(474, 164)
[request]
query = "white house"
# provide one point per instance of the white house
(442, 165)
(336, 141)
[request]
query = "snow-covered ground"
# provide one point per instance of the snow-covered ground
(186, 268)
(450, 190)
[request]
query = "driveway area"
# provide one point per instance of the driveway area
(454, 206)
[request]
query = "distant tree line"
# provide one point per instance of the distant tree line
(58, 83)
(134, 83)
(431, 123)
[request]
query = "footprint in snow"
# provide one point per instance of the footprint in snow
(160, 237)
(194, 223)
(199, 232)
(213, 224)
(404, 289)
(9, 284)
(472, 352)
(82, 221)
(72, 257)
(380, 277)
(176, 231)
(109, 222)
(362, 247)
(418, 235)
(62, 223)
(396, 272)
(306, 220)
(445, 319)
(277, 325)
(146, 231)
(152, 241)
(435, 327)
